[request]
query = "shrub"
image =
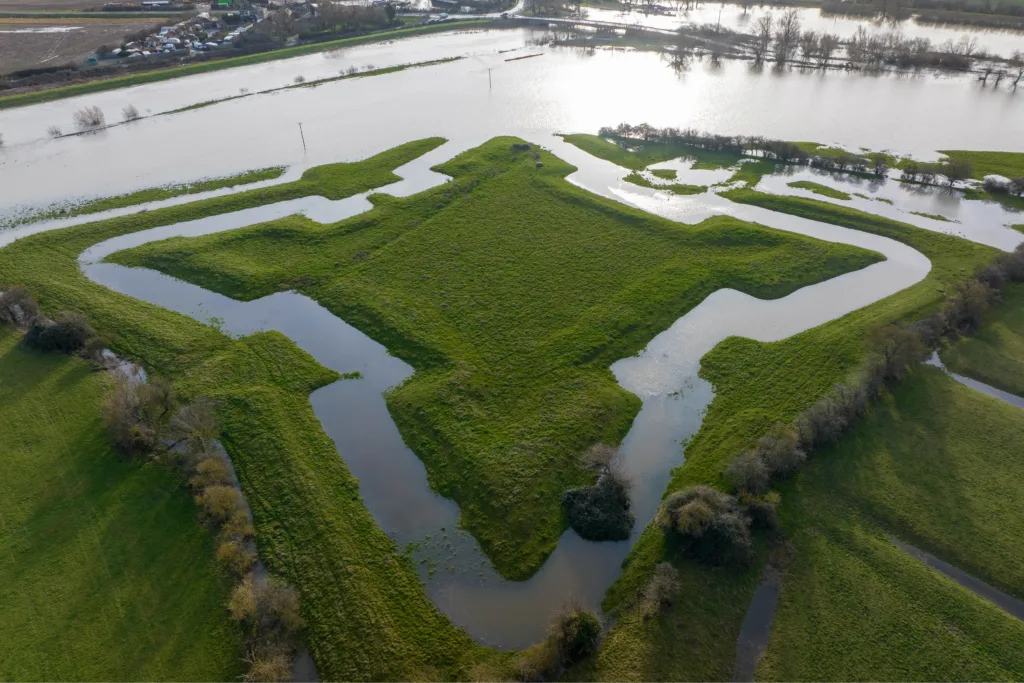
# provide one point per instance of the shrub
(574, 633)
(268, 666)
(195, 424)
(780, 451)
(67, 334)
(539, 663)
(277, 605)
(130, 113)
(211, 470)
(220, 502)
(600, 512)
(134, 413)
(761, 510)
(748, 472)
(53, 131)
(17, 307)
(709, 523)
(89, 118)
(661, 590)
(242, 603)
(299, 80)
(899, 347)
(238, 526)
(235, 556)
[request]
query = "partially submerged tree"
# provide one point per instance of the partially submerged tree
(89, 118)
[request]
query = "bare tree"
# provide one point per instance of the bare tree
(787, 36)
(130, 113)
(809, 42)
(53, 131)
(89, 118)
(827, 45)
(763, 30)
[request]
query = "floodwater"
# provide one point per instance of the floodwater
(469, 101)
(1001, 42)
(562, 91)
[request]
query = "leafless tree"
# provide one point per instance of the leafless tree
(53, 131)
(827, 46)
(764, 27)
(809, 42)
(130, 113)
(787, 36)
(90, 118)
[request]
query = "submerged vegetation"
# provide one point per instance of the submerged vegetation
(818, 188)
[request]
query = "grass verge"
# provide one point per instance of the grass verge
(106, 573)
(511, 291)
(1007, 164)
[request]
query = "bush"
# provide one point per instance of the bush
(210, 471)
(195, 424)
(238, 526)
(134, 413)
(574, 633)
(220, 502)
(748, 472)
(67, 334)
(130, 113)
(89, 118)
(761, 510)
(277, 606)
(780, 451)
(235, 556)
(709, 523)
(53, 131)
(899, 347)
(242, 603)
(17, 307)
(661, 590)
(539, 663)
(268, 666)
(600, 512)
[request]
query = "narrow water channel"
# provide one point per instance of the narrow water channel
(393, 481)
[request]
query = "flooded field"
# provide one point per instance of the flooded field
(471, 100)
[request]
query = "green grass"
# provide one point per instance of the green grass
(757, 384)
(940, 466)
(153, 194)
(106, 573)
(1008, 164)
(52, 94)
(818, 188)
(366, 612)
(511, 291)
(995, 354)
(817, 149)
(933, 216)
(664, 173)
(1010, 201)
(675, 188)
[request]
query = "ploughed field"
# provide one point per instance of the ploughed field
(511, 291)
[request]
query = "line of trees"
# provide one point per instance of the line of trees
(765, 148)
(714, 526)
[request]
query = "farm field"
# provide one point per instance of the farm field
(40, 42)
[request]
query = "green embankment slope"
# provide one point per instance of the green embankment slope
(995, 354)
(366, 613)
(940, 466)
(511, 291)
(105, 573)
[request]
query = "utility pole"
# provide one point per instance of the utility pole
(303, 138)
(488, 78)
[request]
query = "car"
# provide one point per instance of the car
(504, 15)
(443, 16)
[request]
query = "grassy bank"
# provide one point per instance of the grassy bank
(757, 384)
(511, 291)
(366, 613)
(106, 573)
(151, 194)
(818, 188)
(1008, 164)
(203, 67)
(642, 154)
(938, 465)
(995, 354)
(674, 188)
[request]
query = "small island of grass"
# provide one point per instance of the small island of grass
(817, 188)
